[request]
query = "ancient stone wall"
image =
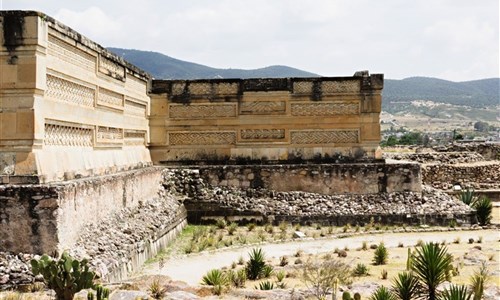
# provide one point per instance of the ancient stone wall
(44, 218)
(479, 176)
(327, 179)
(283, 119)
(68, 107)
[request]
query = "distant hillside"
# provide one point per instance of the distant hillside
(476, 93)
(165, 67)
(397, 94)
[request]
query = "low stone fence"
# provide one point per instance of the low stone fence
(437, 157)
(479, 176)
(47, 218)
(330, 179)
(206, 202)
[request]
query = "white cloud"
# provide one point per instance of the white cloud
(454, 39)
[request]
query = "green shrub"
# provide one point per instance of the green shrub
(405, 286)
(468, 196)
(255, 264)
(237, 278)
(251, 226)
(456, 292)
(217, 279)
(265, 286)
(346, 295)
(360, 270)
(380, 255)
(220, 223)
(231, 229)
(66, 276)
(483, 207)
(479, 279)
(267, 271)
(156, 291)
(382, 293)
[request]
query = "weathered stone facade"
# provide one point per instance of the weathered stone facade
(272, 120)
(68, 108)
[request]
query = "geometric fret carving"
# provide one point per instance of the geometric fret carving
(226, 88)
(109, 98)
(109, 135)
(200, 88)
(302, 87)
(109, 67)
(344, 86)
(324, 108)
(70, 54)
(202, 138)
(68, 134)
(179, 111)
(178, 88)
(134, 137)
(324, 136)
(262, 107)
(262, 134)
(135, 107)
(67, 91)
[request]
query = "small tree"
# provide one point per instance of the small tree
(322, 278)
(381, 254)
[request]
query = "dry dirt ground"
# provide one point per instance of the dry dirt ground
(191, 268)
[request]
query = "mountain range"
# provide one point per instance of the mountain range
(475, 93)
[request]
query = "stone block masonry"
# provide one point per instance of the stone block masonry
(69, 108)
(48, 218)
(266, 120)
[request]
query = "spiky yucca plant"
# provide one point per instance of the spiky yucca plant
(382, 293)
(456, 292)
(405, 286)
(431, 263)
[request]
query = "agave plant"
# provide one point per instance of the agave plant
(468, 196)
(483, 209)
(456, 292)
(382, 293)
(256, 263)
(405, 286)
(479, 280)
(265, 286)
(217, 279)
(431, 263)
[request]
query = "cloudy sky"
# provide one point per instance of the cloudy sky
(451, 39)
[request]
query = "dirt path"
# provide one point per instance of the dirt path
(191, 268)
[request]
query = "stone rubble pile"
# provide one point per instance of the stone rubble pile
(437, 157)
(430, 202)
(106, 243)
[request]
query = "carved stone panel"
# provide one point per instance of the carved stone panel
(202, 138)
(262, 134)
(109, 67)
(262, 107)
(134, 137)
(59, 133)
(109, 135)
(302, 87)
(197, 111)
(200, 88)
(226, 88)
(324, 136)
(324, 108)
(70, 54)
(110, 99)
(67, 91)
(135, 107)
(344, 86)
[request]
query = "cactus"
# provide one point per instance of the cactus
(335, 287)
(102, 292)
(90, 296)
(66, 276)
(409, 260)
(357, 296)
(346, 295)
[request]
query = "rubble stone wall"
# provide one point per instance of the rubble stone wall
(479, 175)
(48, 217)
(328, 179)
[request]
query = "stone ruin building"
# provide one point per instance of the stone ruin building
(84, 134)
